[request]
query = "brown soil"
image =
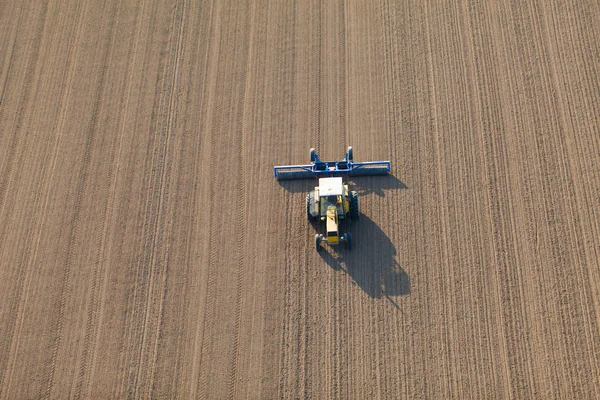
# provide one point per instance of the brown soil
(147, 251)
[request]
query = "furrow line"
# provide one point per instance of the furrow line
(306, 363)
(81, 185)
(23, 286)
(146, 265)
(24, 102)
(10, 63)
(7, 81)
(483, 122)
(389, 66)
(97, 288)
(134, 299)
(546, 161)
(100, 262)
(342, 355)
(283, 364)
(170, 126)
(519, 287)
(159, 188)
(576, 230)
(6, 176)
(441, 207)
(593, 140)
(319, 111)
(289, 335)
(489, 373)
(399, 141)
(343, 66)
(575, 144)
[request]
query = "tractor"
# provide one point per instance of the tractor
(332, 202)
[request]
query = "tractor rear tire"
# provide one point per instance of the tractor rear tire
(349, 241)
(350, 154)
(318, 242)
(354, 210)
(310, 199)
(313, 155)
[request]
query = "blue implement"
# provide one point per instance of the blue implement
(321, 169)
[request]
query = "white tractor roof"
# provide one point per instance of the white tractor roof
(331, 187)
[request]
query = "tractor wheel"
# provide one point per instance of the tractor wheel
(317, 242)
(310, 200)
(350, 154)
(313, 155)
(349, 241)
(354, 211)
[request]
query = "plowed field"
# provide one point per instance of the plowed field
(147, 251)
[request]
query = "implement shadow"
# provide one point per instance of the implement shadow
(371, 264)
(376, 184)
(362, 184)
(299, 185)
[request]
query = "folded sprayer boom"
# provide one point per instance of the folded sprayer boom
(322, 169)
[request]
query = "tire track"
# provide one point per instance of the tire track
(339, 311)
(242, 204)
(166, 180)
(81, 185)
(210, 296)
(319, 110)
(131, 330)
(155, 187)
(176, 295)
(286, 388)
(199, 337)
(106, 248)
(343, 73)
(163, 340)
(152, 311)
(392, 54)
(98, 285)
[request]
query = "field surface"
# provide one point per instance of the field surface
(147, 251)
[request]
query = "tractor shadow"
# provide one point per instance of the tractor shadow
(364, 185)
(371, 264)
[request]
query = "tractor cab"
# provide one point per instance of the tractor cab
(329, 203)
(332, 194)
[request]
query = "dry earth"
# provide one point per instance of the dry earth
(147, 251)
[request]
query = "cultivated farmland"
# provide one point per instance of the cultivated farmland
(147, 251)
